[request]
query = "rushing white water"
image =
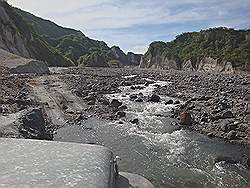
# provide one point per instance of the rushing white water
(158, 150)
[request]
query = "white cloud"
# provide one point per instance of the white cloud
(99, 18)
(100, 14)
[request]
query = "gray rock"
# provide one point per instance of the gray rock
(177, 102)
(232, 135)
(120, 114)
(104, 101)
(89, 98)
(154, 98)
(123, 107)
(227, 114)
(186, 118)
(33, 125)
(133, 96)
(245, 160)
(135, 121)
(226, 159)
(91, 102)
(169, 102)
(139, 99)
(115, 103)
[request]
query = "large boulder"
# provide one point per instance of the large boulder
(185, 118)
(245, 160)
(154, 98)
(115, 103)
(33, 125)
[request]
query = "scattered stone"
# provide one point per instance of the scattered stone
(139, 99)
(177, 102)
(133, 96)
(89, 98)
(123, 107)
(135, 121)
(115, 103)
(227, 114)
(154, 98)
(104, 101)
(245, 160)
(64, 106)
(120, 114)
(232, 135)
(91, 103)
(210, 135)
(227, 160)
(170, 101)
(185, 118)
(204, 98)
(132, 87)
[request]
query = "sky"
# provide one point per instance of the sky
(134, 24)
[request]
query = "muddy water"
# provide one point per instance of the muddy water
(158, 150)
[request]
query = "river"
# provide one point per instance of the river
(158, 150)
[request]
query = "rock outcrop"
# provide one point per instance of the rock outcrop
(19, 65)
(129, 59)
(119, 55)
(209, 64)
(134, 59)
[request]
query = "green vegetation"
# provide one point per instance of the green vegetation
(70, 43)
(223, 44)
(74, 45)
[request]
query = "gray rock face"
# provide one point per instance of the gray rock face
(20, 65)
(209, 64)
(17, 37)
(134, 59)
(33, 66)
(156, 58)
(129, 59)
(119, 54)
(10, 40)
(158, 62)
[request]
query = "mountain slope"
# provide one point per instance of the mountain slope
(16, 36)
(75, 45)
(217, 49)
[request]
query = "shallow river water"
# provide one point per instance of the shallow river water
(156, 149)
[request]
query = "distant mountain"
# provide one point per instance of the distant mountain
(75, 45)
(126, 59)
(218, 49)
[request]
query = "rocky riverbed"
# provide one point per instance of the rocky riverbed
(213, 104)
(151, 118)
(21, 115)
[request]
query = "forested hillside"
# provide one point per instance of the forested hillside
(75, 45)
(220, 45)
